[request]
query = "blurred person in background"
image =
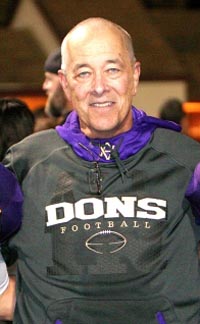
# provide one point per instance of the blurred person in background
(57, 104)
(16, 122)
(172, 110)
(44, 121)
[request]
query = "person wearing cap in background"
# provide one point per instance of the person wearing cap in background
(57, 104)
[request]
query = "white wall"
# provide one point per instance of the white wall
(152, 94)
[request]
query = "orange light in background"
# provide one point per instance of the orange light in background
(33, 102)
(192, 109)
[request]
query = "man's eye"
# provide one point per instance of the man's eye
(113, 70)
(83, 74)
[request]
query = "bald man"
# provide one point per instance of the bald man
(106, 236)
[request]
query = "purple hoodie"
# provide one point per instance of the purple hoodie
(127, 144)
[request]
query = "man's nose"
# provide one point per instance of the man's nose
(99, 84)
(44, 85)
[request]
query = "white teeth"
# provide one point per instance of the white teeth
(105, 104)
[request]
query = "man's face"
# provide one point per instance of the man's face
(56, 99)
(101, 81)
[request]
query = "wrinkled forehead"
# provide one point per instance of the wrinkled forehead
(102, 36)
(94, 42)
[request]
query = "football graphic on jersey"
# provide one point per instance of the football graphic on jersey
(106, 242)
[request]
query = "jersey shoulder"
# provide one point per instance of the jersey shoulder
(22, 156)
(179, 146)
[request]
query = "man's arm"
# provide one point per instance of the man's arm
(11, 200)
(7, 301)
(7, 292)
(193, 193)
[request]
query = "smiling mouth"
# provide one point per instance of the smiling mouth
(102, 104)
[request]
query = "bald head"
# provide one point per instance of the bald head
(94, 27)
(100, 76)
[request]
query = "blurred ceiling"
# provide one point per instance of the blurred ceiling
(166, 38)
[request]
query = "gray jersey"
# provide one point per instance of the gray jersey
(124, 252)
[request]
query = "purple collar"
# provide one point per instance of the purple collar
(126, 144)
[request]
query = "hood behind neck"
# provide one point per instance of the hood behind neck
(126, 144)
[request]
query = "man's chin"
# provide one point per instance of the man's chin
(51, 110)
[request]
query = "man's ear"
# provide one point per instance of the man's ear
(136, 76)
(62, 78)
(64, 83)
